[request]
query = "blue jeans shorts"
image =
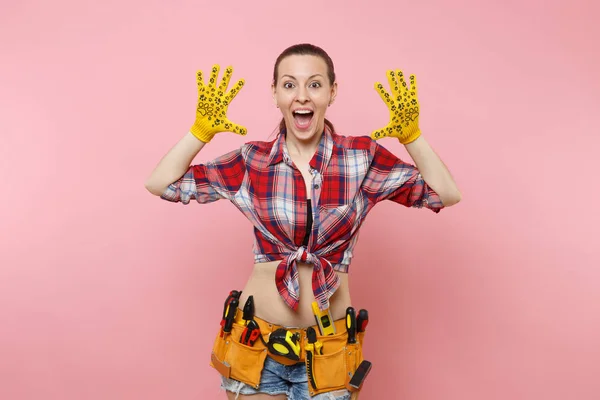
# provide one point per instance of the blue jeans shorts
(277, 378)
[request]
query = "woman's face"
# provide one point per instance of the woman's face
(303, 94)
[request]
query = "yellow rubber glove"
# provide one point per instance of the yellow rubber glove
(403, 106)
(213, 101)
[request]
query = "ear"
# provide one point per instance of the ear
(274, 93)
(333, 93)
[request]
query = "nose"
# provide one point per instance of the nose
(302, 96)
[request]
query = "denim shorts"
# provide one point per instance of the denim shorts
(277, 378)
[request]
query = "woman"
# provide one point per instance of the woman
(306, 193)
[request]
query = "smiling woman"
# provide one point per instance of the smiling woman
(307, 193)
(313, 92)
(303, 89)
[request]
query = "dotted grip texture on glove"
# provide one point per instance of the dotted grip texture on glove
(403, 106)
(213, 100)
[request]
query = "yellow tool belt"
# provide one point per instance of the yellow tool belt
(332, 369)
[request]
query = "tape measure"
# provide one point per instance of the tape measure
(285, 343)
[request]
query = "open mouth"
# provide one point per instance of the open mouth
(302, 118)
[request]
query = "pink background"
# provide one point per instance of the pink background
(109, 293)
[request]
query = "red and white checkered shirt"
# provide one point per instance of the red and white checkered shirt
(350, 174)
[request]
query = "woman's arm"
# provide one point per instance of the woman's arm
(434, 171)
(211, 118)
(404, 125)
(174, 164)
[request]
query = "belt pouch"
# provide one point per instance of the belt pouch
(334, 368)
(235, 360)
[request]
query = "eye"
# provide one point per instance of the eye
(288, 85)
(315, 85)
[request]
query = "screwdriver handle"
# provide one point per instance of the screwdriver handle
(351, 324)
(231, 309)
(362, 320)
(234, 294)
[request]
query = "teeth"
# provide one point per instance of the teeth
(302, 112)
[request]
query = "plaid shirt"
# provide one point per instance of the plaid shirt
(349, 176)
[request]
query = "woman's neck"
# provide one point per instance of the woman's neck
(304, 149)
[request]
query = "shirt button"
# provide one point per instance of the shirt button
(316, 186)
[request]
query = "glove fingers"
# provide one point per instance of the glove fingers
(235, 128)
(381, 133)
(401, 83)
(391, 76)
(214, 72)
(211, 114)
(385, 96)
(234, 91)
(413, 85)
(199, 80)
(226, 78)
(378, 134)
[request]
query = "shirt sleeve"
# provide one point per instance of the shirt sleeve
(390, 178)
(218, 179)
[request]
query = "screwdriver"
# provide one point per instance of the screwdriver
(231, 309)
(232, 295)
(351, 324)
(362, 320)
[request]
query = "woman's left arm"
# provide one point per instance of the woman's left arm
(404, 124)
(434, 171)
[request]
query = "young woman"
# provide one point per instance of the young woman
(307, 193)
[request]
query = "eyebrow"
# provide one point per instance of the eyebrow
(310, 77)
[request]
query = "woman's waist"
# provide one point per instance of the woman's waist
(269, 305)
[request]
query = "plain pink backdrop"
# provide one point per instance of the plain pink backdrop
(107, 292)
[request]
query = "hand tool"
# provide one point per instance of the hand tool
(230, 314)
(285, 343)
(362, 320)
(351, 324)
(310, 360)
(250, 334)
(324, 320)
(232, 295)
(311, 335)
(248, 310)
(360, 374)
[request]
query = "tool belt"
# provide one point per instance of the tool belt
(329, 368)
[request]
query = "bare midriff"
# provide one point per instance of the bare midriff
(269, 305)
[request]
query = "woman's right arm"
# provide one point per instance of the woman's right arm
(211, 118)
(174, 164)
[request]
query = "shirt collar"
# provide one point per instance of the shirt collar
(320, 159)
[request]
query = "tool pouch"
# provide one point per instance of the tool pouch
(335, 367)
(238, 361)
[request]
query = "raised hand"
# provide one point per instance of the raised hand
(403, 106)
(213, 100)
